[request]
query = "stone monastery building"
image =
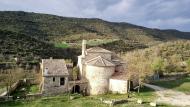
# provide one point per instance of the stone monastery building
(100, 71)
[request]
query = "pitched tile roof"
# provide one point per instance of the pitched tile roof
(99, 61)
(54, 67)
(92, 56)
(120, 76)
(97, 50)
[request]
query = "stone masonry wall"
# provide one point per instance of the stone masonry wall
(98, 78)
(118, 86)
(51, 87)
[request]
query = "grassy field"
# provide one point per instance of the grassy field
(182, 85)
(95, 42)
(147, 95)
(61, 45)
(33, 89)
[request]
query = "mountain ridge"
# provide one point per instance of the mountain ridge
(55, 28)
(33, 36)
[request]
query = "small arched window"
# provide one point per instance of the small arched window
(53, 79)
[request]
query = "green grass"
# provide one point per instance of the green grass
(27, 90)
(182, 85)
(33, 89)
(95, 42)
(61, 45)
(147, 95)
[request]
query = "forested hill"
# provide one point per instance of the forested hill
(32, 36)
(55, 28)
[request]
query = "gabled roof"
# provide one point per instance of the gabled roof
(99, 61)
(97, 50)
(54, 67)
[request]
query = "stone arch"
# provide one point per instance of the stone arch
(76, 89)
(131, 85)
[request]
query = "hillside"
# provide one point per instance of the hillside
(164, 58)
(56, 29)
(32, 36)
(28, 49)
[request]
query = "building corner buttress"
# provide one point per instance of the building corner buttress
(83, 47)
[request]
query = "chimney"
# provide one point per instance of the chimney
(83, 47)
(46, 71)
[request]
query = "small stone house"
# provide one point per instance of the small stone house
(55, 76)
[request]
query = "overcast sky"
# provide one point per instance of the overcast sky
(164, 14)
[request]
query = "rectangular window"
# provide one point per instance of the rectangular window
(53, 79)
(62, 81)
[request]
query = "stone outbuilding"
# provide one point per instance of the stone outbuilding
(55, 76)
(118, 83)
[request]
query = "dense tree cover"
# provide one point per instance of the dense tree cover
(163, 58)
(28, 49)
(55, 28)
(32, 36)
(123, 46)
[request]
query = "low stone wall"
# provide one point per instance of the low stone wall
(30, 81)
(19, 83)
(15, 85)
(177, 75)
(13, 88)
(6, 98)
(27, 97)
(33, 96)
(172, 76)
(114, 102)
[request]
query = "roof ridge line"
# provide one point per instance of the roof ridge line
(92, 59)
(103, 61)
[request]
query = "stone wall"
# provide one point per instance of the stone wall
(12, 88)
(33, 96)
(119, 68)
(6, 98)
(98, 79)
(82, 84)
(80, 65)
(51, 87)
(118, 86)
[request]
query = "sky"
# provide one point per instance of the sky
(162, 14)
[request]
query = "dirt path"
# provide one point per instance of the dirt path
(171, 97)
